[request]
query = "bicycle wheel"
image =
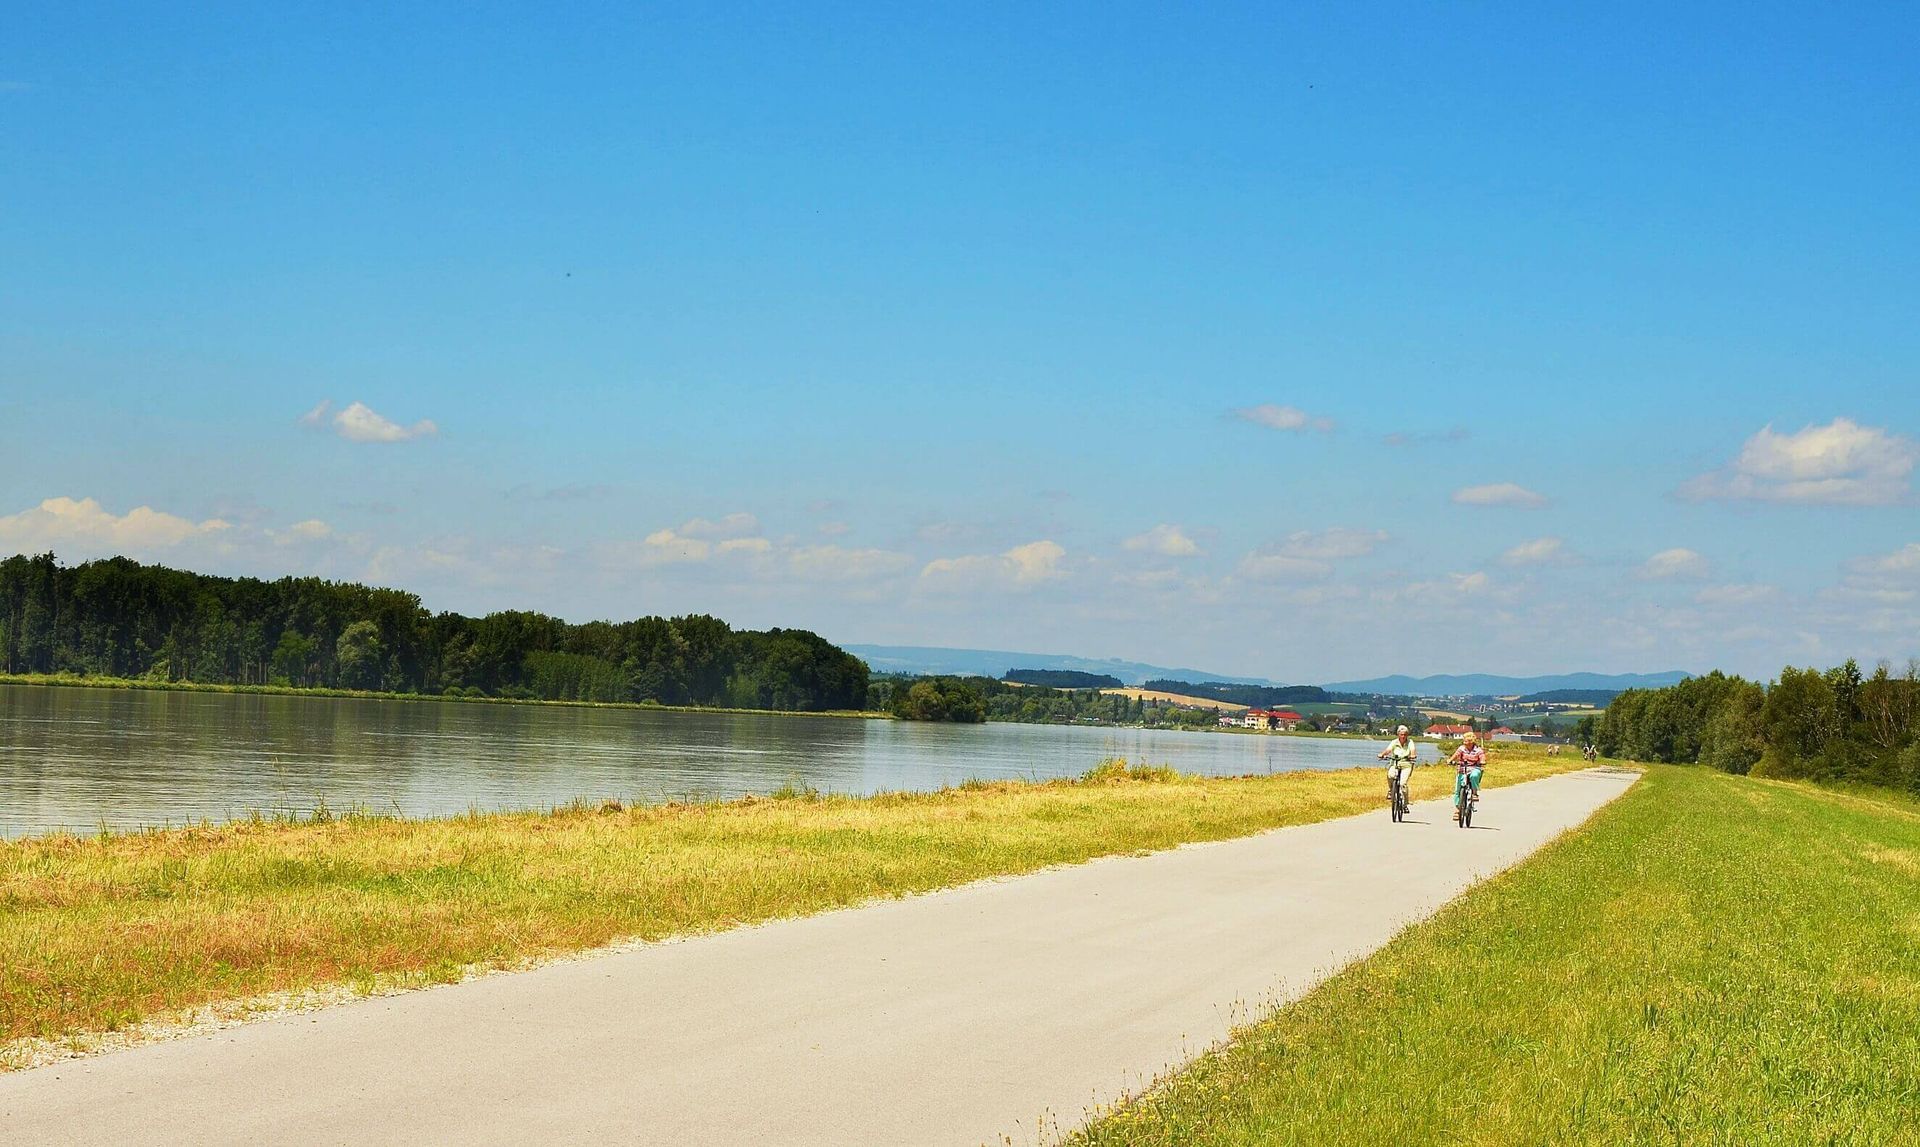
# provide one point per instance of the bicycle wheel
(1466, 807)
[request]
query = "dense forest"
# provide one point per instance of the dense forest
(1252, 696)
(1599, 698)
(120, 618)
(1062, 679)
(1836, 725)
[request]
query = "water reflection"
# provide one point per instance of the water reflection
(86, 758)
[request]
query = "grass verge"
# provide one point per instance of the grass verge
(1713, 960)
(97, 933)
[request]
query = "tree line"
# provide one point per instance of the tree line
(1062, 679)
(120, 618)
(1826, 725)
(976, 699)
(1233, 693)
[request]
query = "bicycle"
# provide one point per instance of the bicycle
(1397, 803)
(1463, 797)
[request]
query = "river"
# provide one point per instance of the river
(81, 758)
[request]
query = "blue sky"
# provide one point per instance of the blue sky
(1306, 344)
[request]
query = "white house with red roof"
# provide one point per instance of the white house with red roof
(1284, 720)
(1449, 732)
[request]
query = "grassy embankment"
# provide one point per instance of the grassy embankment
(99, 933)
(1713, 960)
(102, 682)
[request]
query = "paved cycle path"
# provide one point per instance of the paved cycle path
(997, 1012)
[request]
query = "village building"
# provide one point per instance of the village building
(1449, 732)
(1280, 720)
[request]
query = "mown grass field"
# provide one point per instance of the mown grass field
(97, 933)
(1712, 960)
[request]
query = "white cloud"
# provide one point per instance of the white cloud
(1499, 494)
(1331, 544)
(1678, 562)
(1270, 566)
(1469, 583)
(1288, 418)
(1166, 539)
(1021, 567)
(1538, 552)
(360, 423)
(737, 525)
(1900, 564)
(58, 521)
(311, 530)
(1840, 464)
(696, 540)
(840, 564)
(1306, 555)
(1736, 596)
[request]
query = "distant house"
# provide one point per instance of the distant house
(1449, 732)
(1229, 721)
(1502, 731)
(1282, 720)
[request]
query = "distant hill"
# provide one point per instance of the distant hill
(1063, 679)
(925, 659)
(1250, 695)
(1490, 685)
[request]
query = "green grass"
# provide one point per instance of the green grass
(99, 933)
(1712, 960)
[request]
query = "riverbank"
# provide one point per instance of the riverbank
(105, 933)
(97, 682)
(1713, 959)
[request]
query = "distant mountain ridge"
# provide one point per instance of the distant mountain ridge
(928, 659)
(996, 663)
(1493, 685)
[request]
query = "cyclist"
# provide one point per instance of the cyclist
(1471, 759)
(1400, 755)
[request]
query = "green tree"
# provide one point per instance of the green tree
(359, 656)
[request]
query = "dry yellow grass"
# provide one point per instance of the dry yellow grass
(1175, 698)
(99, 933)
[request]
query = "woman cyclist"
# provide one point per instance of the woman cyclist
(1400, 754)
(1471, 760)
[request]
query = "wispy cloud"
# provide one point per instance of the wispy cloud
(1676, 563)
(1022, 567)
(1274, 416)
(1538, 552)
(571, 492)
(1840, 464)
(1165, 539)
(358, 422)
(1737, 596)
(1306, 555)
(1507, 494)
(1426, 437)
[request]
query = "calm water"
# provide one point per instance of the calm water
(82, 758)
